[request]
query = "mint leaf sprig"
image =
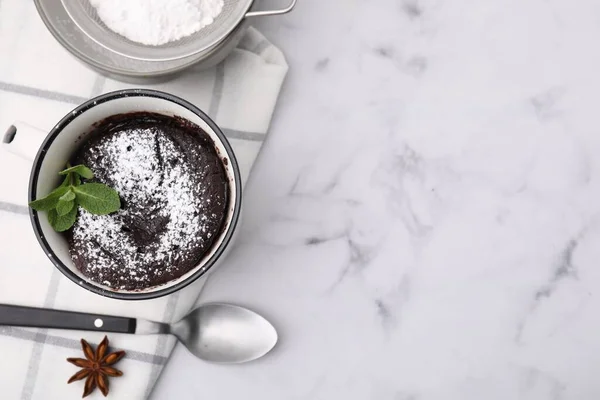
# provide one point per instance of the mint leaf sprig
(61, 204)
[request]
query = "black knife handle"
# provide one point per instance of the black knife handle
(56, 319)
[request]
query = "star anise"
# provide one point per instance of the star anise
(96, 366)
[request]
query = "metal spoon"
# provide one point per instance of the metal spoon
(216, 332)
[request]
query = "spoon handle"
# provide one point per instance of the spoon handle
(56, 319)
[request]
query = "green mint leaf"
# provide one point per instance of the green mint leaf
(72, 179)
(52, 217)
(66, 182)
(69, 196)
(80, 170)
(61, 203)
(63, 207)
(61, 223)
(97, 198)
(50, 201)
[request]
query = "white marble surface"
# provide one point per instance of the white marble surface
(424, 220)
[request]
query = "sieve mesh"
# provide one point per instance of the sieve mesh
(84, 15)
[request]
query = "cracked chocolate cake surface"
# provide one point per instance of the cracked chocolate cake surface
(173, 190)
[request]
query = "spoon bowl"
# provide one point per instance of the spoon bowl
(225, 333)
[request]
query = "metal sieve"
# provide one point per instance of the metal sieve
(87, 20)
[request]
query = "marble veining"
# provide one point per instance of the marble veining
(424, 220)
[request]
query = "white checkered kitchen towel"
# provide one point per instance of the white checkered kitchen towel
(39, 83)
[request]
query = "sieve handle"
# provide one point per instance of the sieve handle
(272, 12)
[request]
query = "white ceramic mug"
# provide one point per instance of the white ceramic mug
(62, 141)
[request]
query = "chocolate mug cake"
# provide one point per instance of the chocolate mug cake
(174, 194)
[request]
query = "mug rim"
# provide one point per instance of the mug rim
(66, 120)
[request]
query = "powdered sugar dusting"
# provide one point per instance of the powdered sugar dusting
(157, 187)
(156, 22)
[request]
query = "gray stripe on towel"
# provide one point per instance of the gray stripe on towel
(250, 45)
(235, 134)
(44, 94)
(40, 339)
(217, 92)
(59, 341)
(13, 208)
(161, 345)
(260, 47)
(98, 88)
